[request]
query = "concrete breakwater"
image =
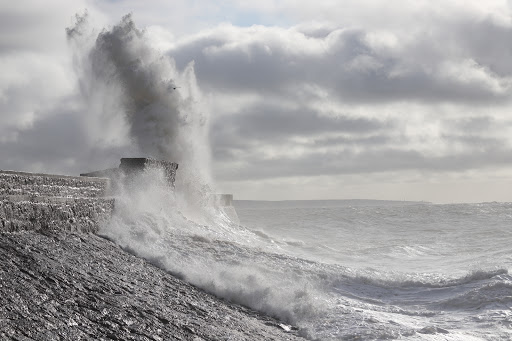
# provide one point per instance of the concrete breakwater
(31, 201)
(34, 201)
(60, 281)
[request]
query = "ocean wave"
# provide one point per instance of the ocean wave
(497, 293)
(420, 280)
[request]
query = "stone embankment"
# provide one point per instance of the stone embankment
(59, 281)
(31, 201)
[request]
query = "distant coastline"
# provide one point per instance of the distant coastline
(322, 203)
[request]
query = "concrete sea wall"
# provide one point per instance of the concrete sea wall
(30, 201)
(33, 201)
(59, 281)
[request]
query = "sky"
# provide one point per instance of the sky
(345, 99)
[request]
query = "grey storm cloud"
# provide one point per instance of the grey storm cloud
(274, 122)
(369, 149)
(59, 143)
(267, 124)
(352, 66)
(424, 88)
(350, 162)
(472, 124)
(50, 141)
(486, 43)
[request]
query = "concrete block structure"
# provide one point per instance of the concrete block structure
(135, 165)
(130, 167)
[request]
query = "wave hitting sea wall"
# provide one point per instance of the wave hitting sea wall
(61, 281)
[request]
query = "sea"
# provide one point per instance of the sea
(337, 269)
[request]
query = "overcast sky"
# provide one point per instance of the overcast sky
(402, 100)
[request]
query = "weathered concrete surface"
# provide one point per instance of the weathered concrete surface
(48, 202)
(54, 214)
(77, 286)
(36, 185)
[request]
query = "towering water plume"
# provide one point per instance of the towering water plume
(137, 99)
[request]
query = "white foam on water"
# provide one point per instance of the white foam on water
(326, 301)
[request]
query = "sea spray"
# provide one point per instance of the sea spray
(137, 100)
(221, 257)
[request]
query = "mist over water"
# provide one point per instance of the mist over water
(336, 271)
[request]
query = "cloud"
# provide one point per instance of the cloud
(36, 72)
(272, 122)
(311, 90)
(59, 143)
(329, 99)
(370, 162)
(353, 65)
(273, 131)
